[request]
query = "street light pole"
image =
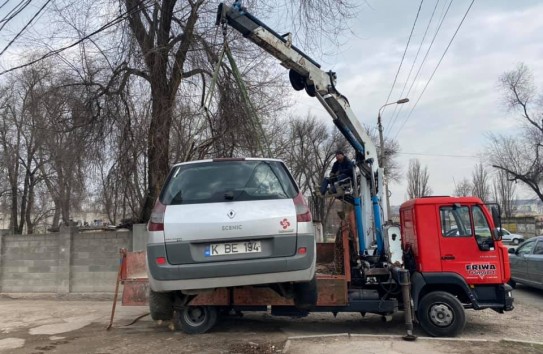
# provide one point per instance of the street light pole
(382, 147)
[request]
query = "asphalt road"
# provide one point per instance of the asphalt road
(34, 326)
(529, 297)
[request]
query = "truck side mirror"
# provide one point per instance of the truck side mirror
(496, 218)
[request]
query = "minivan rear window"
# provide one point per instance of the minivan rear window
(215, 182)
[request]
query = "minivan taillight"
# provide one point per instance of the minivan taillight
(303, 214)
(156, 222)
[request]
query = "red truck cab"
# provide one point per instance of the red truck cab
(451, 245)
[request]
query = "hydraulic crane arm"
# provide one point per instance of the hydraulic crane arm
(305, 73)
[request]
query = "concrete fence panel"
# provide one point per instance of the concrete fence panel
(64, 262)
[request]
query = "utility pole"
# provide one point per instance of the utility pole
(382, 150)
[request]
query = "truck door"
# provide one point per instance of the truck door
(466, 245)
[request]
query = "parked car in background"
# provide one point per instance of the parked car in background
(527, 263)
(509, 237)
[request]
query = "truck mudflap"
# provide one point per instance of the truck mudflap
(498, 297)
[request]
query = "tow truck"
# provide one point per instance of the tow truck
(451, 255)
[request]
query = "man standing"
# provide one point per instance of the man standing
(341, 169)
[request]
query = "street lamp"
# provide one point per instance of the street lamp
(382, 146)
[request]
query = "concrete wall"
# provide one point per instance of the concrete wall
(64, 262)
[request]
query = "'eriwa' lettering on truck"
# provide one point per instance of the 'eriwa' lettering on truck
(231, 227)
(480, 267)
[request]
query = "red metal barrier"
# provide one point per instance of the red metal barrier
(134, 279)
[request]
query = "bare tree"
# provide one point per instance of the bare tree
(20, 140)
(521, 157)
(310, 155)
(166, 32)
(417, 180)
(480, 182)
(393, 171)
(163, 55)
(463, 189)
(504, 192)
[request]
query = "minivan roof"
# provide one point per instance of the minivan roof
(227, 159)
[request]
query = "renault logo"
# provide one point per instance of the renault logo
(231, 214)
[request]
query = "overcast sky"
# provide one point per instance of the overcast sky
(462, 102)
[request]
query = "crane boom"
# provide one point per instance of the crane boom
(305, 73)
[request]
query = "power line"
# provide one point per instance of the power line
(405, 51)
(14, 12)
(437, 66)
(113, 22)
(438, 155)
(25, 27)
(426, 55)
(4, 4)
(396, 111)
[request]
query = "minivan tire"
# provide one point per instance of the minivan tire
(160, 306)
(305, 294)
(196, 319)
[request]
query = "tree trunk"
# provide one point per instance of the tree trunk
(158, 146)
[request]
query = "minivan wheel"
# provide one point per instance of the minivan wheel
(160, 306)
(305, 294)
(196, 319)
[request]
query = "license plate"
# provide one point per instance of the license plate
(221, 249)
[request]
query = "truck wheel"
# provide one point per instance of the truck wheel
(160, 306)
(516, 241)
(196, 319)
(441, 314)
(305, 294)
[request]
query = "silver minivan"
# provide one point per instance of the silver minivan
(229, 222)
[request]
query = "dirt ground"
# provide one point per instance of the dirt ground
(61, 326)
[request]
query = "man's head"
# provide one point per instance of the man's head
(339, 155)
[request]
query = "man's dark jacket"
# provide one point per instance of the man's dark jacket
(343, 168)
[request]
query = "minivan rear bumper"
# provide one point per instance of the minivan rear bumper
(168, 277)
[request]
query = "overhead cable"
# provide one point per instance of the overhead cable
(437, 66)
(405, 51)
(25, 27)
(13, 12)
(111, 23)
(396, 111)
(426, 55)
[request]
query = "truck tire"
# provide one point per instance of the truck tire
(196, 319)
(160, 306)
(516, 241)
(441, 314)
(305, 294)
